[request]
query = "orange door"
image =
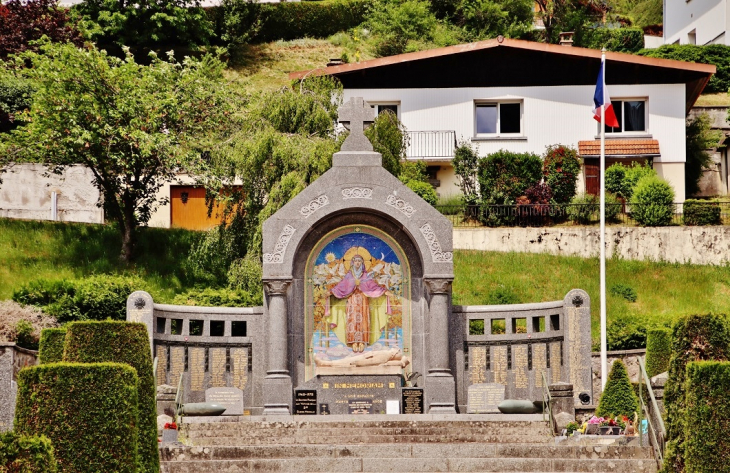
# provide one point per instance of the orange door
(188, 209)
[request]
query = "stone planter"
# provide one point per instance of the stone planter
(610, 430)
(169, 435)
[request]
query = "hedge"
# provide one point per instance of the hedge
(699, 212)
(88, 411)
(50, 347)
(624, 40)
(243, 21)
(708, 417)
(122, 342)
(694, 338)
(27, 454)
(717, 54)
(618, 398)
(658, 350)
(503, 177)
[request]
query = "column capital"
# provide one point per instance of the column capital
(276, 287)
(438, 285)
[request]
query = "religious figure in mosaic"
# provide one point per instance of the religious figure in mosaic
(358, 297)
(360, 309)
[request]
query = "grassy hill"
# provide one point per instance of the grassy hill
(34, 250)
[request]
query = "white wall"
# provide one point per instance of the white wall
(551, 115)
(27, 193)
(707, 18)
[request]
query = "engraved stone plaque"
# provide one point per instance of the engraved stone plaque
(360, 406)
(230, 398)
(484, 398)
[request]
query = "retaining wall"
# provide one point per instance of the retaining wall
(697, 245)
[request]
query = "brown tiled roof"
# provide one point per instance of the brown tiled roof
(619, 148)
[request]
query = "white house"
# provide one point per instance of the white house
(696, 22)
(523, 96)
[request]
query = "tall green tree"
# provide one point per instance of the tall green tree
(134, 126)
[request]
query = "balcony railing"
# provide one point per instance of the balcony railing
(431, 145)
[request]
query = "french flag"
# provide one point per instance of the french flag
(601, 99)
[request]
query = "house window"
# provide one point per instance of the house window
(631, 115)
(498, 118)
(382, 107)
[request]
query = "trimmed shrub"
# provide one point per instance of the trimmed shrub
(219, 298)
(652, 202)
(694, 338)
(50, 348)
(624, 40)
(633, 174)
(699, 212)
(122, 342)
(658, 350)
(244, 21)
(97, 297)
(623, 334)
(560, 168)
(424, 190)
(26, 454)
(88, 411)
(708, 417)
(618, 399)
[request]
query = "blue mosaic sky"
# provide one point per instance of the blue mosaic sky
(377, 247)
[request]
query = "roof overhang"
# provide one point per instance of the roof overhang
(646, 148)
(514, 63)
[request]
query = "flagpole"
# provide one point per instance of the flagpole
(601, 169)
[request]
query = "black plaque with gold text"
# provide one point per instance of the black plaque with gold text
(305, 402)
(412, 400)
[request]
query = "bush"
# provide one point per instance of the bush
(465, 164)
(15, 96)
(694, 338)
(503, 177)
(424, 191)
(97, 297)
(615, 181)
(26, 454)
(560, 168)
(624, 291)
(219, 298)
(634, 174)
(244, 21)
(122, 342)
(618, 398)
(245, 275)
(88, 411)
(717, 54)
(698, 212)
(622, 334)
(390, 139)
(50, 348)
(586, 207)
(401, 20)
(624, 40)
(23, 324)
(27, 21)
(708, 417)
(658, 350)
(652, 202)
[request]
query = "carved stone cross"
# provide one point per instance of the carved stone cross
(356, 113)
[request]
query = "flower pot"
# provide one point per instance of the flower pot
(610, 430)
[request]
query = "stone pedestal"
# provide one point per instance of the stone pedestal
(562, 406)
(277, 384)
(140, 308)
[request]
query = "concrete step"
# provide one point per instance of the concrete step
(178, 454)
(373, 439)
(399, 465)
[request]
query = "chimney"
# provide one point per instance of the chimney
(566, 38)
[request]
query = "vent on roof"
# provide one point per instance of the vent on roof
(335, 62)
(566, 38)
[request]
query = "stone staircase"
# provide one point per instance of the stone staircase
(464, 443)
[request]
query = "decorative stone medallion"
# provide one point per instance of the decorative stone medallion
(437, 255)
(277, 257)
(404, 207)
(357, 193)
(314, 205)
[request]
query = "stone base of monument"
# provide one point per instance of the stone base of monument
(347, 394)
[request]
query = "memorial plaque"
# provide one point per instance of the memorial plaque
(338, 391)
(484, 398)
(305, 402)
(360, 406)
(230, 398)
(324, 409)
(412, 400)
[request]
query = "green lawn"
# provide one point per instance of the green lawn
(32, 250)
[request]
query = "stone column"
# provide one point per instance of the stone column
(277, 384)
(441, 396)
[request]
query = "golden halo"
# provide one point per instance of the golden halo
(357, 250)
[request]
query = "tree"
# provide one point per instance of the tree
(700, 138)
(133, 126)
(618, 399)
(139, 24)
(23, 21)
